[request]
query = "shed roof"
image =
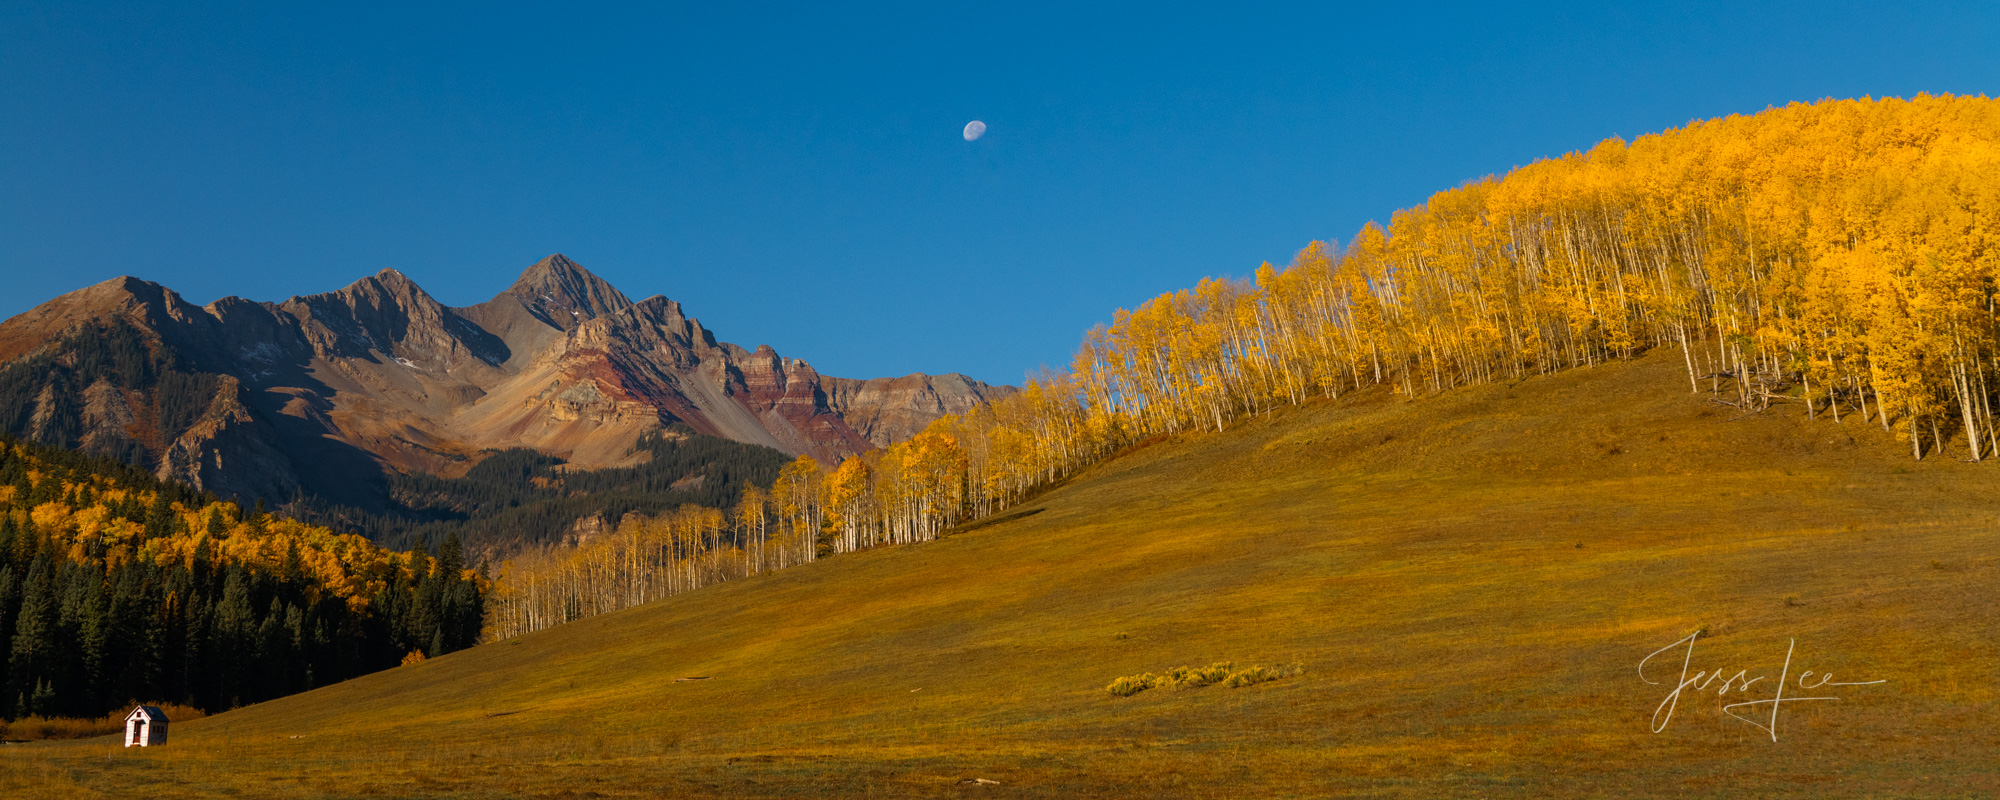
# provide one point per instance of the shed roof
(148, 713)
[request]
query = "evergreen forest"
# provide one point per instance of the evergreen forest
(117, 587)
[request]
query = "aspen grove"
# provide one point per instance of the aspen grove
(1839, 258)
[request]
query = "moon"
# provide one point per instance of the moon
(974, 130)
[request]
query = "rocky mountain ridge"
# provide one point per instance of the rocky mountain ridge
(320, 393)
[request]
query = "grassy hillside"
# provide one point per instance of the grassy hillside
(1469, 582)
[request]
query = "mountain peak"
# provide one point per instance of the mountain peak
(149, 303)
(388, 280)
(562, 293)
(387, 287)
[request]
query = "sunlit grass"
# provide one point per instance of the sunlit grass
(1468, 582)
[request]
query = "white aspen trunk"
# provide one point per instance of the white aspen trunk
(1966, 410)
(1985, 405)
(1916, 438)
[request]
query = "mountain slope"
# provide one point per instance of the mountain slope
(320, 393)
(1470, 583)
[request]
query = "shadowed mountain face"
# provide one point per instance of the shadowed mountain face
(320, 393)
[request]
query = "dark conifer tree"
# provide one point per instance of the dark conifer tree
(135, 640)
(235, 636)
(93, 645)
(32, 654)
(10, 603)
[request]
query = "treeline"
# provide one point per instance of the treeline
(1839, 257)
(521, 499)
(904, 494)
(117, 587)
(649, 557)
(42, 394)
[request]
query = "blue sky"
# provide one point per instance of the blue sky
(795, 175)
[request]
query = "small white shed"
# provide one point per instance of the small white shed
(145, 726)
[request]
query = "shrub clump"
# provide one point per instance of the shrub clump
(1259, 674)
(1223, 672)
(1132, 684)
(37, 727)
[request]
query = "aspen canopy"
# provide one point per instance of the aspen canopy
(1839, 257)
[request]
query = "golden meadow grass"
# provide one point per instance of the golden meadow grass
(1469, 583)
